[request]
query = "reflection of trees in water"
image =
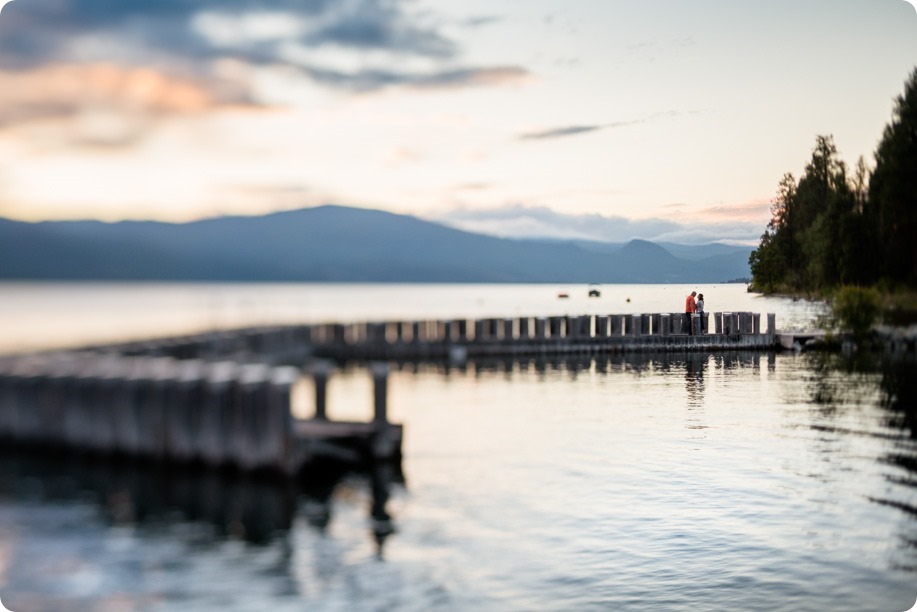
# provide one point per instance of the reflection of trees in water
(899, 386)
(868, 378)
(889, 381)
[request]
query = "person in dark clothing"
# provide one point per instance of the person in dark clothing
(700, 311)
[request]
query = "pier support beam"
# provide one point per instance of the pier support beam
(524, 328)
(601, 326)
(384, 443)
(617, 325)
(320, 371)
(541, 328)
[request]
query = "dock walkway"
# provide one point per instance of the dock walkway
(225, 398)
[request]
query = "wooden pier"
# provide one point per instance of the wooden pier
(163, 409)
(224, 398)
(457, 339)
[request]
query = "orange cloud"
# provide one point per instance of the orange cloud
(755, 210)
(61, 90)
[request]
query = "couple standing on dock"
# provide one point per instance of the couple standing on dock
(693, 307)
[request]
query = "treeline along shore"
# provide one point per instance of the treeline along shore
(849, 235)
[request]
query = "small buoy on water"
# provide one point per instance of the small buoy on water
(628, 300)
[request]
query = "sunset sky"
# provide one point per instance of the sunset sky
(670, 120)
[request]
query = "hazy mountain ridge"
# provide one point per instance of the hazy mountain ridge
(335, 243)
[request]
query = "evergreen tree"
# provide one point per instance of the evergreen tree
(893, 189)
(775, 256)
(828, 229)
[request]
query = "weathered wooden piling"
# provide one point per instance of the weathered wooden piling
(164, 409)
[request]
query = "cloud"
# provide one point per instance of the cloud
(481, 21)
(372, 80)
(519, 221)
(374, 24)
(755, 211)
(178, 35)
(63, 90)
(560, 132)
(107, 104)
(575, 130)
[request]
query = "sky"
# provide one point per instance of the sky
(603, 119)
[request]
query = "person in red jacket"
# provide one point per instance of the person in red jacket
(690, 309)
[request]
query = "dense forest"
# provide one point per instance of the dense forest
(834, 227)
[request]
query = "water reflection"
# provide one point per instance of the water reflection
(256, 509)
(694, 379)
(840, 384)
(574, 365)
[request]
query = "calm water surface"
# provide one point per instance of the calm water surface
(725, 481)
(37, 316)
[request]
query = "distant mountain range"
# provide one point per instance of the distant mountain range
(335, 243)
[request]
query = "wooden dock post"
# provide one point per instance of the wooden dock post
(276, 442)
(579, 327)
(460, 330)
(645, 323)
(665, 325)
(219, 378)
(756, 323)
(379, 372)
(554, 327)
(375, 334)
(320, 371)
(744, 323)
(541, 328)
(718, 322)
(601, 326)
(524, 328)
(182, 410)
(384, 443)
(617, 325)
(508, 335)
(157, 374)
(245, 410)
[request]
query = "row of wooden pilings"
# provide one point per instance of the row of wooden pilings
(218, 413)
(539, 328)
(588, 334)
(486, 336)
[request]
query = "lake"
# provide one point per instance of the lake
(712, 481)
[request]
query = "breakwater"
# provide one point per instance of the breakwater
(225, 398)
(463, 338)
